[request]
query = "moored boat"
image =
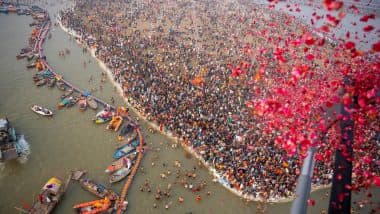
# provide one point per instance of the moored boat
(118, 164)
(119, 175)
(122, 111)
(123, 151)
(91, 102)
(21, 56)
(92, 207)
(67, 93)
(12, 9)
(124, 130)
(67, 102)
(31, 65)
(3, 10)
(73, 101)
(41, 82)
(103, 116)
(115, 123)
(127, 139)
(60, 85)
(51, 82)
(82, 103)
(21, 11)
(135, 142)
(49, 197)
(98, 189)
(41, 110)
(39, 66)
(31, 56)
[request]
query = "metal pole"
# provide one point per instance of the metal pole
(299, 205)
(340, 198)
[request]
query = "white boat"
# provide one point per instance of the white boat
(41, 110)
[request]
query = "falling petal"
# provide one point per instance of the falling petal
(368, 28)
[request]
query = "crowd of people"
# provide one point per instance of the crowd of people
(179, 63)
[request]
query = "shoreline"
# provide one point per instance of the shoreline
(218, 177)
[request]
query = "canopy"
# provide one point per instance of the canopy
(86, 93)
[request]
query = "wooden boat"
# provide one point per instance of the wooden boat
(63, 103)
(67, 93)
(44, 74)
(37, 78)
(98, 189)
(31, 56)
(123, 151)
(73, 101)
(135, 142)
(41, 110)
(124, 130)
(26, 50)
(21, 12)
(115, 123)
(92, 103)
(21, 56)
(41, 82)
(12, 9)
(61, 85)
(103, 116)
(119, 175)
(39, 66)
(67, 102)
(82, 103)
(31, 65)
(49, 197)
(51, 82)
(122, 111)
(92, 207)
(3, 10)
(118, 164)
(127, 139)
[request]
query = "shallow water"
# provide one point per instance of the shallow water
(70, 140)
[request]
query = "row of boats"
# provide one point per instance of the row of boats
(14, 9)
(127, 138)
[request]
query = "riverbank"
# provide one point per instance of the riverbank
(135, 108)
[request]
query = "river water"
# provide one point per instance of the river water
(70, 140)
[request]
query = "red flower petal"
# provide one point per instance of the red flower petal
(332, 4)
(325, 28)
(366, 17)
(376, 180)
(310, 57)
(311, 202)
(376, 47)
(368, 28)
(309, 40)
(349, 45)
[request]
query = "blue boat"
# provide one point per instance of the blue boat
(3, 10)
(136, 142)
(21, 12)
(123, 151)
(125, 130)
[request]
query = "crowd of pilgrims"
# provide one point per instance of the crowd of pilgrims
(174, 60)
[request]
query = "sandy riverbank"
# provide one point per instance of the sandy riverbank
(134, 108)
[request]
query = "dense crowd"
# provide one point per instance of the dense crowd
(179, 62)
